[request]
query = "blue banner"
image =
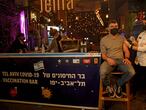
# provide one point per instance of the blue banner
(66, 80)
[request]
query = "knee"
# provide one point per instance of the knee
(103, 73)
(132, 72)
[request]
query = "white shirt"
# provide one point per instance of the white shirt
(141, 53)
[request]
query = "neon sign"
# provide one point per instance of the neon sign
(22, 23)
(55, 5)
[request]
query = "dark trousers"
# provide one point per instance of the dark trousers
(139, 80)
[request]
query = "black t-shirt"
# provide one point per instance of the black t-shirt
(17, 46)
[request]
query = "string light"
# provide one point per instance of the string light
(83, 24)
(99, 17)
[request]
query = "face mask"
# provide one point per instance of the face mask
(114, 31)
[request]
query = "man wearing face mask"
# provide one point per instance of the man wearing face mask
(115, 55)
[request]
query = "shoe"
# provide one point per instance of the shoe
(118, 91)
(110, 92)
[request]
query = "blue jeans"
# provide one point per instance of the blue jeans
(106, 69)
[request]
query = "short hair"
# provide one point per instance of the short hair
(113, 21)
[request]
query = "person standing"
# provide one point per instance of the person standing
(115, 53)
(140, 60)
(55, 46)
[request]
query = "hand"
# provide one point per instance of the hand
(126, 61)
(111, 62)
(127, 43)
(135, 48)
(135, 43)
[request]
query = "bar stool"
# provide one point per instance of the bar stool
(103, 98)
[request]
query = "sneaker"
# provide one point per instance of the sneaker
(118, 91)
(110, 91)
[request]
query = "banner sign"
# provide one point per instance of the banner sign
(61, 79)
(56, 5)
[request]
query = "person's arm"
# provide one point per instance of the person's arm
(109, 60)
(104, 56)
(133, 43)
(126, 54)
(126, 51)
(142, 46)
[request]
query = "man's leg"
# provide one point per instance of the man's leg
(105, 73)
(129, 73)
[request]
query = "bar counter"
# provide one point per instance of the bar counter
(56, 79)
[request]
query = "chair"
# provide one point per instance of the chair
(103, 98)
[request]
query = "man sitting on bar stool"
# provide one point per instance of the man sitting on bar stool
(115, 55)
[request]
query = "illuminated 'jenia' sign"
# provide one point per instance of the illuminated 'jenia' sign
(55, 5)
